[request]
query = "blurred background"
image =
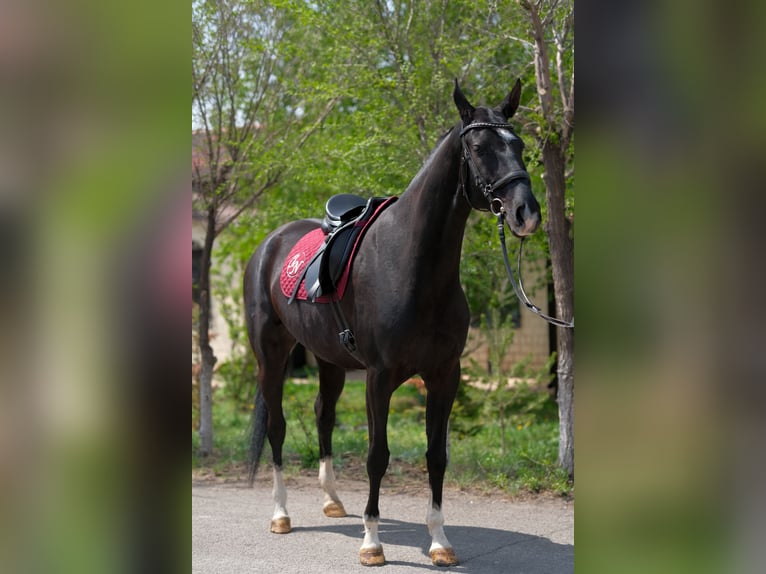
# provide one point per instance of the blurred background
(669, 280)
(94, 214)
(668, 276)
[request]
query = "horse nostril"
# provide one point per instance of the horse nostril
(520, 212)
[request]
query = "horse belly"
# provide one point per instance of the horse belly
(314, 327)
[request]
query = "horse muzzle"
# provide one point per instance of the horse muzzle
(523, 219)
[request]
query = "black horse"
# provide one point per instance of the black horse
(405, 305)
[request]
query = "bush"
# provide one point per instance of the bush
(238, 375)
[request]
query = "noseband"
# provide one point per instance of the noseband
(496, 207)
(487, 188)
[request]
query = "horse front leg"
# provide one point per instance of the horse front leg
(331, 382)
(379, 389)
(442, 388)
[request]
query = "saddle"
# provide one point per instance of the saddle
(346, 218)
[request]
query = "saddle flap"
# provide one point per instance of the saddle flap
(337, 253)
(311, 279)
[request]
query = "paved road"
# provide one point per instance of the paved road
(230, 533)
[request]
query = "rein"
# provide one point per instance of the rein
(496, 207)
(519, 289)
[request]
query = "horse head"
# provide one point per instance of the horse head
(492, 155)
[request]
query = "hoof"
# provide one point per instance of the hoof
(372, 557)
(281, 525)
(334, 510)
(444, 557)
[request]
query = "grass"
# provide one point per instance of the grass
(477, 457)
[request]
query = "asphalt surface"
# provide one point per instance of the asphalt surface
(230, 532)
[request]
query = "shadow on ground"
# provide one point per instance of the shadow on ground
(480, 550)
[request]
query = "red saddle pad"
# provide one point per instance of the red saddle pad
(296, 261)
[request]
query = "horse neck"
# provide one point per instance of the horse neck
(433, 211)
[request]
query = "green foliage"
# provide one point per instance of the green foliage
(482, 271)
(391, 65)
(238, 377)
(529, 466)
(514, 397)
(303, 434)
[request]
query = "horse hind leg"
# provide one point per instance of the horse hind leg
(273, 352)
(331, 381)
(271, 343)
(280, 520)
(276, 430)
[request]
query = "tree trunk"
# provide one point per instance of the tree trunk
(565, 400)
(562, 262)
(207, 356)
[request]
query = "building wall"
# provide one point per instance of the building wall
(531, 340)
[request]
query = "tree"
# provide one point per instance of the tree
(249, 120)
(550, 24)
(393, 63)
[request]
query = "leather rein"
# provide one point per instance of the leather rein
(496, 207)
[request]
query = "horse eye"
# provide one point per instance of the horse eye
(476, 148)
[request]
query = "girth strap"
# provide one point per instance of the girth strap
(345, 334)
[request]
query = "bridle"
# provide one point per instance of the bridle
(496, 207)
(487, 188)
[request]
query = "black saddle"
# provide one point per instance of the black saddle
(342, 208)
(345, 216)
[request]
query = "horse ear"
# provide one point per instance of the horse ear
(511, 101)
(466, 109)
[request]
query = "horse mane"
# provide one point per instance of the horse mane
(426, 164)
(438, 144)
(441, 138)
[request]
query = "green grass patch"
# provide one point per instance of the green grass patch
(517, 456)
(231, 435)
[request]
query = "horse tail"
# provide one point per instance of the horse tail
(258, 437)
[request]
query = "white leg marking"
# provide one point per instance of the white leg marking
(371, 539)
(435, 523)
(332, 507)
(371, 552)
(280, 494)
(327, 480)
